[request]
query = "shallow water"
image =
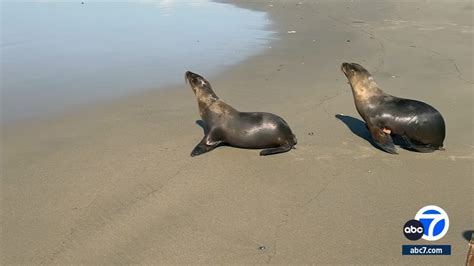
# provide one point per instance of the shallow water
(56, 55)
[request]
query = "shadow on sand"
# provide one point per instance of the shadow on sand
(357, 127)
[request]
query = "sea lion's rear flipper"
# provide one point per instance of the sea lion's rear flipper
(206, 145)
(383, 140)
(417, 146)
(279, 149)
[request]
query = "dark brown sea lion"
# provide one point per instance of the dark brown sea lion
(420, 125)
(226, 125)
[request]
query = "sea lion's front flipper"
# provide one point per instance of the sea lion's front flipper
(207, 144)
(383, 140)
(279, 149)
(416, 146)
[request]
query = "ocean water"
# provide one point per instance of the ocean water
(58, 55)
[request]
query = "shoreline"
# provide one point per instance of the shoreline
(116, 184)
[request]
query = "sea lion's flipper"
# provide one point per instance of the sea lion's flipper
(383, 140)
(207, 144)
(200, 149)
(279, 149)
(417, 146)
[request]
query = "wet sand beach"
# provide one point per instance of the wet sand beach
(114, 183)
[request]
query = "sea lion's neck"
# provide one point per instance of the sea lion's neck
(205, 100)
(364, 89)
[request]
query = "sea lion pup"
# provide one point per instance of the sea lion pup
(420, 125)
(226, 125)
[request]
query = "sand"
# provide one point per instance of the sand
(115, 183)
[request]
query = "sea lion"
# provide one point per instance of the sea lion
(226, 125)
(420, 125)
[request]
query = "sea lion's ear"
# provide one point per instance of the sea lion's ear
(206, 83)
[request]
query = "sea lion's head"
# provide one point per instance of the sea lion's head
(355, 72)
(361, 81)
(201, 88)
(197, 82)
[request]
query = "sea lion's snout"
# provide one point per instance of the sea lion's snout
(190, 77)
(353, 67)
(344, 67)
(194, 80)
(349, 69)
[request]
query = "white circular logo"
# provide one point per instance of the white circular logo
(435, 222)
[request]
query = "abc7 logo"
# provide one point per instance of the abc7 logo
(431, 223)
